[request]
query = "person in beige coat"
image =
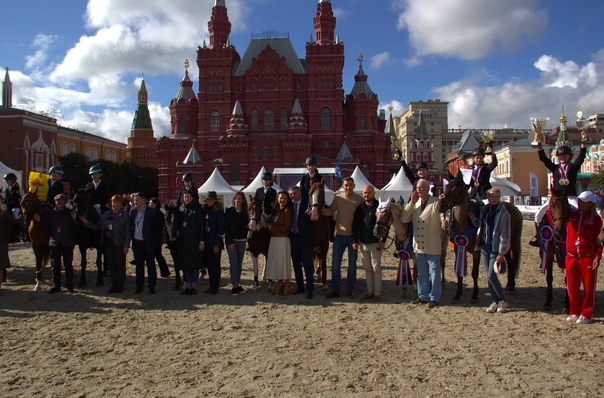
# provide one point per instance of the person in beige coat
(423, 211)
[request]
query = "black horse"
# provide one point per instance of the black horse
(87, 238)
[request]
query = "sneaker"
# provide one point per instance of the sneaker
(419, 301)
(54, 290)
(432, 304)
(492, 308)
(367, 296)
(583, 320)
(534, 242)
(350, 295)
(572, 318)
(240, 289)
(235, 291)
(332, 294)
(186, 292)
(502, 307)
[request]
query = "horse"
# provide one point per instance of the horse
(321, 229)
(463, 235)
(552, 241)
(258, 238)
(31, 206)
(86, 238)
(172, 222)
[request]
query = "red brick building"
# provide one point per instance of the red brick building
(271, 108)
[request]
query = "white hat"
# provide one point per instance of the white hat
(587, 196)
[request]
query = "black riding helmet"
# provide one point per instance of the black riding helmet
(478, 152)
(10, 177)
(564, 150)
(188, 176)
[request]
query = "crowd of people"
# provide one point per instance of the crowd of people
(197, 234)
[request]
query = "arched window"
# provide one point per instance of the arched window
(320, 83)
(283, 119)
(95, 154)
(363, 123)
(254, 84)
(269, 120)
(270, 153)
(235, 173)
(260, 153)
(325, 119)
(240, 85)
(299, 84)
(71, 148)
(254, 118)
(108, 155)
(64, 149)
(214, 121)
(88, 152)
(425, 156)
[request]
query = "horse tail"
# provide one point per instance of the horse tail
(516, 239)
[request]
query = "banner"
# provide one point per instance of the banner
(338, 172)
(534, 184)
(39, 181)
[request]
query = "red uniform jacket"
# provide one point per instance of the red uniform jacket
(582, 232)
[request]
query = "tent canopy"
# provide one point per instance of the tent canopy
(257, 183)
(217, 183)
(398, 186)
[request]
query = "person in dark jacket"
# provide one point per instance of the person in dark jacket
(422, 174)
(214, 231)
(268, 192)
(145, 232)
(187, 180)
(61, 226)
(97, 189)
(7, 221)
(301, 238)
(116, 232)
(164, 271)
(369, 247)
(191, 241)
(55, 186)
(312, 175)
(481, 175)
(236, 219)
(12, 193)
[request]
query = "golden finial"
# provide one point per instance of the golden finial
(563, 117)
(187, 64)
(360, 58)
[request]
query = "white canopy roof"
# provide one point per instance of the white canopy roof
(217, 183)
(301, 170)
(257, 183)
(390, 182)
(398, 186)
(4, 170)
(506, 187)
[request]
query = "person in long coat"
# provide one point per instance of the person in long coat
(214, 231)
(6, 223)
(190, 241)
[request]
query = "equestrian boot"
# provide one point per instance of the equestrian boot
(279, 288)
(287, 287)
(535, 241)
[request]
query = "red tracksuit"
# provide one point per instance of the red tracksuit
(582, 249)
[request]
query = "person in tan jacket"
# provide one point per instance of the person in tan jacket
(423, 211)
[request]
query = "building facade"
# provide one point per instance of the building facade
(272, 108)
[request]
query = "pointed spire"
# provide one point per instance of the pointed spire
(297, 121)
(142, 92)
(142, 118)
(324, 23)
(421, 133)
(360, 81)
(219, 25)
(193, 156)
(338, 39)
(186, 86)
(7, 91)
(390, 129)
(344, 154)
(219, 3)
(237, 123)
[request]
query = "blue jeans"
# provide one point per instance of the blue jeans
(236, 261)
(341, 243)
(192, 276)
(428, 267)
(488, 259)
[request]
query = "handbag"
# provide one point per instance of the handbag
(501, 267)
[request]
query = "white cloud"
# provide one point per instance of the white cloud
(470, 29)
(514, 103)
(42, 44)
(380, 60)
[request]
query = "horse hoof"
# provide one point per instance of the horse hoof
(83, 284)
(547, 307)
(474, 300)
(510, 288)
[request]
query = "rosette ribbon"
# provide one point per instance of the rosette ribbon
(546, 234)
(403, 275)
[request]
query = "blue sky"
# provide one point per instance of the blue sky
(496, 62)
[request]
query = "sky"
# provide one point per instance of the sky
(497, 63)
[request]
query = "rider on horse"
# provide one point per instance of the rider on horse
(422, 174)
(98, 189)
(187, 180)
(55, 186)
(311, 176)
(564, 176)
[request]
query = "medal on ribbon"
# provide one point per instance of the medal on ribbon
(563, 171)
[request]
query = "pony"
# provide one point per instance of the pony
(31, 206)
(552, 241)
(172, 223)
(462, 234)
(321, 229)
(86, 238)
(258, 238)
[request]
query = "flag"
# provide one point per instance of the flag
(39, 182)
(534, 184)
(338, 172)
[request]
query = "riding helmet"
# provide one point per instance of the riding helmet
(267, 176)
(478, 152)
(56, 169)
(564, 150)
(95, 169)
(10, 177)
(422, 165)
(188, 176)
(311, 160)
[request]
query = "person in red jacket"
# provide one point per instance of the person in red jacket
(583, 257)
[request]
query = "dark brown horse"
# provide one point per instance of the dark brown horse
(321, 229)
(87, 238)
(258, 238)
(552, 241)
(463, 232)
(32, 206)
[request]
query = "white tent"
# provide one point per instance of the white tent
(398, 186)
(217, 183)
(391, 180)
(257, 183)
(360, 181)
(4, 170)
(506, 187)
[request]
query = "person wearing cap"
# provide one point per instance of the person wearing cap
(145, 233)
(422, 174)
(61, 227)
(583, 257)
(6, 221)
(564, 177)
(55, 186)
(187, 180)
(12, 193)
(312, 175)
(268, 192)
(214, 243)
(481, 175)
(97, 189)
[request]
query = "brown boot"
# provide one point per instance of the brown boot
(279, 287)
(287, 288)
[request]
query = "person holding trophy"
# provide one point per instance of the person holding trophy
(564, 174)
